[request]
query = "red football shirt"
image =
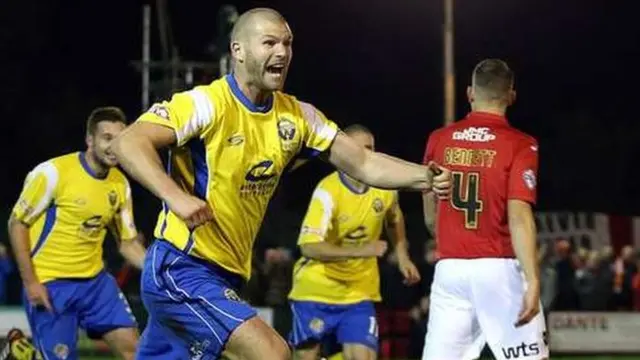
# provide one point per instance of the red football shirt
(491, 163)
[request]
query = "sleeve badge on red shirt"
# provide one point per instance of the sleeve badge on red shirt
(529, 178)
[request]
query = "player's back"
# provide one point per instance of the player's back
(491, 163)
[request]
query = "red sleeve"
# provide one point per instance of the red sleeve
(429, 148)
(523, 178)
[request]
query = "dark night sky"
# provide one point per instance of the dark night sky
(376, 62)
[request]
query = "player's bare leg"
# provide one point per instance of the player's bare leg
(357, 352)
(123, 342)
(255, 340)
(307, 352)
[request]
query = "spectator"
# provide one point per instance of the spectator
(6, 268)
(548, 277)
(624, 271)
(566, 298)
(593, 284)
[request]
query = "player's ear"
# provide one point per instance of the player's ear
(470, 96)
(237, 51)
(89, 140)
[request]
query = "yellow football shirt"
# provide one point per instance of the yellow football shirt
(69, 209)
(343, 216)
(232, 153)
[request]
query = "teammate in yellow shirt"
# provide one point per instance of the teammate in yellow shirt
(230, 142)
(57, 229)
(336, 281)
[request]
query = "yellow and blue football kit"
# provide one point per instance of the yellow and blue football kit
(336, 298)
(68, 209)
(230, 153)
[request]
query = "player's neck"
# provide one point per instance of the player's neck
(251, 92)
(98, 169)
(493, 109)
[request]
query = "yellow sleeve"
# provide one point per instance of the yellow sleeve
(125, 227)
(37, 193)
(189, 114)
(320, 131)
(317, 221)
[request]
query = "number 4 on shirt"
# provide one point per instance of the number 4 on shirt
(465, 197)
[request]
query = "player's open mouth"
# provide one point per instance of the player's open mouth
(275, 69)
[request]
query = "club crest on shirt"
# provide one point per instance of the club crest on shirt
(316, 325)
(61, 351)
(287, 134)
(113, 198)
(378, 206)
(529, 178)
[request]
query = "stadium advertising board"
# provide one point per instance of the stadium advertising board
(594, 332)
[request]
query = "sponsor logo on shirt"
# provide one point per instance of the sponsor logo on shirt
(235, 139)
(260, 179)
(474, 134)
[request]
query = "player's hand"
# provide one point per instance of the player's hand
(374, 249)
(192, 210)
(440, 180)
(37, 295)
(409, 271)
(530, 306)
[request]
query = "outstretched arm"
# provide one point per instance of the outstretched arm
(384, 171)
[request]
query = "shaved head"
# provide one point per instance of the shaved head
(248, 21)
(261, 48)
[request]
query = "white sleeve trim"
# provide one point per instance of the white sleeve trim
(203, 113)
(319, 127)
(50, 172)
(327, 208)
(125, 213)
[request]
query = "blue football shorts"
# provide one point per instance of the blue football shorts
(193, 305)
(96, 305)
(349, 324)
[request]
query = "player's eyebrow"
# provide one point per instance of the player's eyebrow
(288, 37)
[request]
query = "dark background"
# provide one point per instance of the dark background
(375, 62)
